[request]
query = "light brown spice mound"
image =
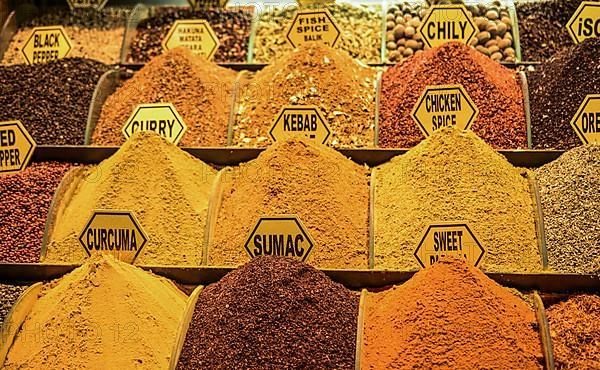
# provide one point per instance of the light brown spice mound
(449, 316)
(104, 315)
(455, 176)
(200, 91)
(328, 192)
(313, 74)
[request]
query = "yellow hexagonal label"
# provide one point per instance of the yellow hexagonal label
(585, 22)
(87, 4)
(282, 235)
(161, 118)
(447, 23)
(116, 232)
(444, 105)
(16, 147)
(315, 25)
(448, 239)
(46, 44)
(300, 121)
(194, 34)
(586, 121)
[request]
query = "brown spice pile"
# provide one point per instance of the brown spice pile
(575, 331)
(454, 176)
(495, 90)
(313, 74)
(200, 90)
(449, 316)
(328, 192)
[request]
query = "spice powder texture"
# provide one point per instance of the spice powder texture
(494, 89)
(105, 314)
(454, 176)
(167, 189)
(328, 192)
(449, 316)
(272, 313)
(575, 332)
(312, 74)
(200, 91)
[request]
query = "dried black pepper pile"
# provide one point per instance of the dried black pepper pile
(273, 313)
(232, 27)
(52, 100)
(542, 28)
(8, 296)
(557, 89)
(570, 198)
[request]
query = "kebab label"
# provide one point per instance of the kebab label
(300, 120)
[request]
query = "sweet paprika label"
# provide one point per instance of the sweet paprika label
(194, 34)
(585, 22)
(447, 23)
(283, 235)
(87, 4)
(315, 25)
(161, 118)
(586, 121)
(116, 232)
(16, 147)
(300, 120)
(444, 105)
(448, 239)
(46, 44)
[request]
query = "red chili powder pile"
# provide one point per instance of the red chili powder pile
(449, 316)
(575, 331)
(494, 89)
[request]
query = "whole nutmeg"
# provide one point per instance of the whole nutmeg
(399, 31)
(410, 31)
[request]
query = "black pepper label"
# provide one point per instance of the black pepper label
(447, 23)
(448, 239)
(283, 235)
(313, 26)
(46, 44)
(16, 147)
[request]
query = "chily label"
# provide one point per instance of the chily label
(447, 23)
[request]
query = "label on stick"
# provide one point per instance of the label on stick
(283, 235)
(442, 106)
(585, 22)
(194, 34)
(87, 4)
(313, 26)
(586, 121)
(300, 121)
(16, 147)
(448, 239)
(447, 23)
(116, 232)
(46, 44)
(161, 118)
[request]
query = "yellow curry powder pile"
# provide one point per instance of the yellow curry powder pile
(105, 314)
(167, 189)
(329, 193)
(455, 176)
(201, 92)
(449, 316)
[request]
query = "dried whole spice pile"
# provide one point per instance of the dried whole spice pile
(328, 192)
(359, 26)
(8, 296)
(455, 176)
(105, 314)
(557, 89)
(231, 25)
(200, 91)
(167, 189)
(575, 332)
(313, 74)
(24, 205)
(272, 313)
(495, 90)
(570, 203)
(449, 316)
(94, 35)
(542, 27)
(51, 100)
